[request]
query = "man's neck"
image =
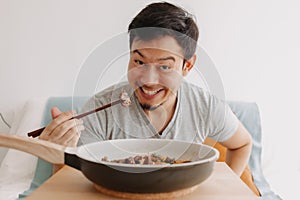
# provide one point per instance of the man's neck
(161, 117)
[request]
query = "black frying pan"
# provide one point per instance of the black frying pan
(129, 178)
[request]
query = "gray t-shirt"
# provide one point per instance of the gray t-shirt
(198, 115)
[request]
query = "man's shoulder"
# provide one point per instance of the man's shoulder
(198, 96)
(193, 90)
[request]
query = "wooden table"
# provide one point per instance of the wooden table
(69, 183)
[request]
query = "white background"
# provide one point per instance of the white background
(254, 44)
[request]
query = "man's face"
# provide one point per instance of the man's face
(155, 71)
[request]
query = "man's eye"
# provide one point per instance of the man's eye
(139, 62)
(165, 67)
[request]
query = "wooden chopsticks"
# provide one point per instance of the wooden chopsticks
(37, 132)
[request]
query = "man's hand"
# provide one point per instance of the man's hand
(63, 130)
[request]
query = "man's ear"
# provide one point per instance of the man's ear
(188, 65)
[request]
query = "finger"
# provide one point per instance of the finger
(71, 137)
(55, 112)
(63, 128)
(73, 142)
(63, 117)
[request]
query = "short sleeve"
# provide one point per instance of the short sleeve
(221, 121)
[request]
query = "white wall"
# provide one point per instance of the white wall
(254, 44)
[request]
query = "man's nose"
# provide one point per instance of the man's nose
(150, 75)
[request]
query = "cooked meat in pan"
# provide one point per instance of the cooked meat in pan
(152, 159)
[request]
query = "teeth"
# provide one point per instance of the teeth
(150, 92)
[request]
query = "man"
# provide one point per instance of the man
(163, 40)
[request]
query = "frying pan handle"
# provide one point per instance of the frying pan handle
(48, 151)
(73, 160)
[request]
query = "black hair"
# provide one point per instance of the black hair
(161, 19)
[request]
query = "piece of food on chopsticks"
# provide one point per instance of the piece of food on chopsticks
(152, 159)
(125, 99)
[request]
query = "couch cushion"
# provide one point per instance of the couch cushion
(44, 169)
(248, 114)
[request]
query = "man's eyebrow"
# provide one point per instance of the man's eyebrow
(138, 52)
(159, 59)
(167, 58)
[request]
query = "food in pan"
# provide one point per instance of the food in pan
(152, 159)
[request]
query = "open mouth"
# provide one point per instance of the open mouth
(150, 93)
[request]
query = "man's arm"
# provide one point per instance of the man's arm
(238, 149)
